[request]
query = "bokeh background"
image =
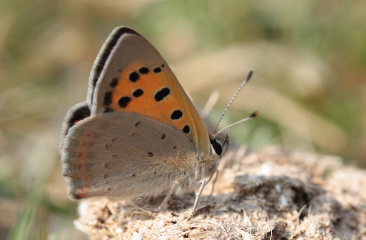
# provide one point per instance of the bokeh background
(309, 59)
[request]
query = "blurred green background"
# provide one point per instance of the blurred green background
(309, 82)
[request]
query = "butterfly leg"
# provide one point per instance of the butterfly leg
(167, 197)
(203, 183)
(216, 173)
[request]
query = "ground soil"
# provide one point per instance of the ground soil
(275, 193)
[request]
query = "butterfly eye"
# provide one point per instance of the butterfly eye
(216, 146)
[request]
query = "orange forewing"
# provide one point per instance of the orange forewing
(146, 104)
(131, 64)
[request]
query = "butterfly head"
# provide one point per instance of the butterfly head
(219, 144)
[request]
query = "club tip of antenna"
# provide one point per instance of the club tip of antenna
(254, 114)
(250, 74)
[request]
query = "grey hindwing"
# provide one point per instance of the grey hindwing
(124, 155)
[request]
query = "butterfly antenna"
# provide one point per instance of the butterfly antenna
(249, 76)
(251, 116)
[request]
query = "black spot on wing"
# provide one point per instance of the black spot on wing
(176, 114)
(161, 94)
(107, 98)
(124, 101)
(186, 129)
(144, 70)
(114, 82)
(134, 77)
(157, 70)
(138, 93)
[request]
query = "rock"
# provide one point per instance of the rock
(272, 194)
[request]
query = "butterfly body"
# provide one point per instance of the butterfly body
(138, 133)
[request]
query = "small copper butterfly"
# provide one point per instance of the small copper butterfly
(137, 133)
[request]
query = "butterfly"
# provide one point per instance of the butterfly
(137, 133)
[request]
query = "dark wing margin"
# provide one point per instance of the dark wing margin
(75, 114)
(103, 56)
